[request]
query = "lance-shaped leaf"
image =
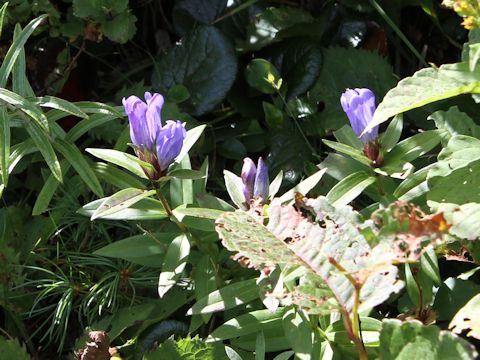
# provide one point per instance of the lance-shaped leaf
(174, 264)
(120, 201)
(292, 239)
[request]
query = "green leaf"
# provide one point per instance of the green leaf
(181, 190)
(412, 147)
(424, 87)
(429, 265)
(204, 51)
(120, 201)
(273, 115)
(91, 107)
(25, 106)
(346, 135)
(260, 346)
(393, 133)
(413, 340)
(298, 331)
(116, 177)
(354, 153)
(232, 295)
(315, 249)
(467, 319)
(357, 68)
(187, 349)
(121, 28)
(48, 190)
(20, 84)
(452, 295)
(2, 15)
(263, 76)
(304, 186)
(299, 62)
(350, 187)
(145, 209)
(4, 136)
(275, 185)
(188, 12)
(60, 104)
(192, 136)
(174, 264)
(127, 161)
(11, 349)
(455, 122)
(85, 125)
(249, 323)
(234, 186)
(147, 249)
(42, 141)
(199, 212)
(98, 8)
(81, 166)
(16, 48)
(186, 174)
(270, 25)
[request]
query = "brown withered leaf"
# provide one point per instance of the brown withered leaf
(98, 348)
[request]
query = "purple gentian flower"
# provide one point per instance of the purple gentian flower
(154, 143)
(255, 179)
(359, 105)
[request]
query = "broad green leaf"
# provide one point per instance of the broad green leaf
(121, 28)
(15, 49)
(147, 249)
(186, 174)
(234, 187)
(304, 186)
(127, 161)
(81, 166)
(344, 68)
(299, 61)
(181, 190)
(60, 104)
(11, 349)
(120, 201)
(186, 13)
(452, 295)
(211, 202)
(316, 247)
(204, 51)
(42, 141)
(232, 295)
(174, 264)
(424, 87)
(273, 115)
(413, 340)
(467, 319)
(455, 122)
(4, 135)
(145, 209)
(354, 153)
(25, 106)
(350, 187)
(249, 323)
(116, 177)
(192, 136)
(263, 76)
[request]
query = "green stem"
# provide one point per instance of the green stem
(310, 147)
(399, 33)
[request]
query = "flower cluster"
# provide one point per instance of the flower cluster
(156, 144)
(468, 9)
(359, 105)
(255, 179)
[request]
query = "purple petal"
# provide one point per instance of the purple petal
(359, 105)
(136, 111)
(153, 116)
(249, 171)
(169, 142)
(261, 180)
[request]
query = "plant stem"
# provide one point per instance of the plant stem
(399, 33)
(310, 147)
(352, 324)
